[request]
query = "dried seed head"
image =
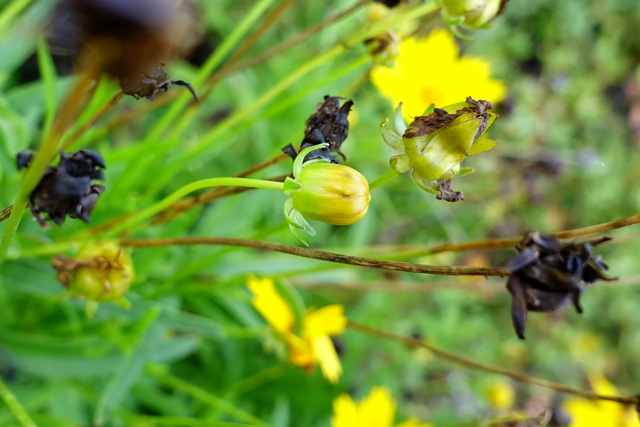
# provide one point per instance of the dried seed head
(546, 275)
(68, 188)
(100, 272)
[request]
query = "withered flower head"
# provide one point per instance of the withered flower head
(546, 275)
(329, 124)
(128, 40)
(100, 272)
(68, 188)
(434, 145)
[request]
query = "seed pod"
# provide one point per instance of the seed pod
(100, 272)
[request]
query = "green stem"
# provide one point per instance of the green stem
(388, 176)
(10, 12)
(204, 396)
(221, 52)
(15, 407)
(189, 188)
(45, 154)
(151, 420)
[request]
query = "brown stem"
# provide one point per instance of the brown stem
(5, 213)
(321, 255)
(78, 133)
(452, 357)
(512, 241)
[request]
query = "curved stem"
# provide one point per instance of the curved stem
(189, 188)
(386, 177)
(455, 358)
(74, 102)
(15, 407)
(321, 255)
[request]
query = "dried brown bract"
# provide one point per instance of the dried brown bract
(68, 188)
(546, 275)
(330, 124)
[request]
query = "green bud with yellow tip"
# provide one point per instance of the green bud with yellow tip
(435, 145)
(100, 272)
(326, 192)
(471, 14)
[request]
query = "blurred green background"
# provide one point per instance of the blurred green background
(567, 157)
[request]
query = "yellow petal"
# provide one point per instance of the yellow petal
(345, 412)
(300, 351)
(377, 410)
(270, 304)
(430, 71)
(329, 320)
(411, 422)
(325, 353)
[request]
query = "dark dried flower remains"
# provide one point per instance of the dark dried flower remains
(330, 124)
(68, 188)
(546, 275)
(129, 40)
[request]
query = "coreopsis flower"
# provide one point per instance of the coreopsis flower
(434, 145)
(322, 191)
(376, 410)
(67, 188)
(471, 14)
(313, 346)
(430, 71)
(100, 272)
(501, 395)
(599, 413)
(546, 275)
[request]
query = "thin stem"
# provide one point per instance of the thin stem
(15, 407)
(189, 188)
(229, 68)
(321, 255)
(455, 358)
(101, 112)
(44, 155)
(388, 176)
(188, 203)
(300, 37)
(512, 241)
(204, 396)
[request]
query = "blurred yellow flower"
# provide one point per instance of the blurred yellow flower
(376, 410)
(430, 71)
(314, 345)
(501, 395)
(600, 413)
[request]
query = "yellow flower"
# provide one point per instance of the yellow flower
(376, 410)
(600, 413)
(501, 395)
(430, 71)
(314, 345)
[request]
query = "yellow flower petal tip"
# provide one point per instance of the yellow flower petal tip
(378, 409)
(430, 71)
(314, 346)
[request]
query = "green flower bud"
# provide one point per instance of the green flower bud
(100, 272)
(331, 193)
(471, 13)
(434, 145)
(322, 191)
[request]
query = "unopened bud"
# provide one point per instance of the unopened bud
(331, 193)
